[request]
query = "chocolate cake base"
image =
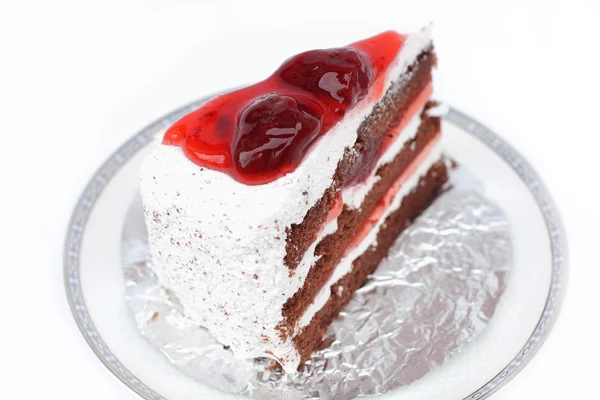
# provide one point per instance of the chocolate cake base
(412, 205)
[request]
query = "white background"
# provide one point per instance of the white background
(78, 79)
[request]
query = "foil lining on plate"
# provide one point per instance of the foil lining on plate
(435, 292)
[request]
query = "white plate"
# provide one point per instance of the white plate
(523, 318)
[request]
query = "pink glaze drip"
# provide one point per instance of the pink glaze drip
(336, 210)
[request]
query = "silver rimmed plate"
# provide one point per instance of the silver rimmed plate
(523, 318)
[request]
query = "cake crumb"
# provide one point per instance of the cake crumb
(154, 316)
(273, 366)
(326, 342)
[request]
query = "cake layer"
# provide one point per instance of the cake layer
(396, 102)
(341, 291)
(404, 184)
(407, 124)
(331, 248)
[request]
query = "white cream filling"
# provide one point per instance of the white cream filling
(439, 111)
(309, 257)
(345, 264)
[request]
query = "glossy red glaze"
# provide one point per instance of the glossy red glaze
(262, 132)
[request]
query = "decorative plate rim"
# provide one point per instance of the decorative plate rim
(85, 204)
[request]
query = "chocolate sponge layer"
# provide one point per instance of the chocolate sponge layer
(371, 131)
(350, 221)
(412, 205)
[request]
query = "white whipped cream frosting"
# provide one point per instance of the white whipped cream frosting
(220, 244)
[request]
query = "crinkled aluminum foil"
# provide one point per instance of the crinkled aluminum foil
(434, 293)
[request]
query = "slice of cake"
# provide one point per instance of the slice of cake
(269, 206)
